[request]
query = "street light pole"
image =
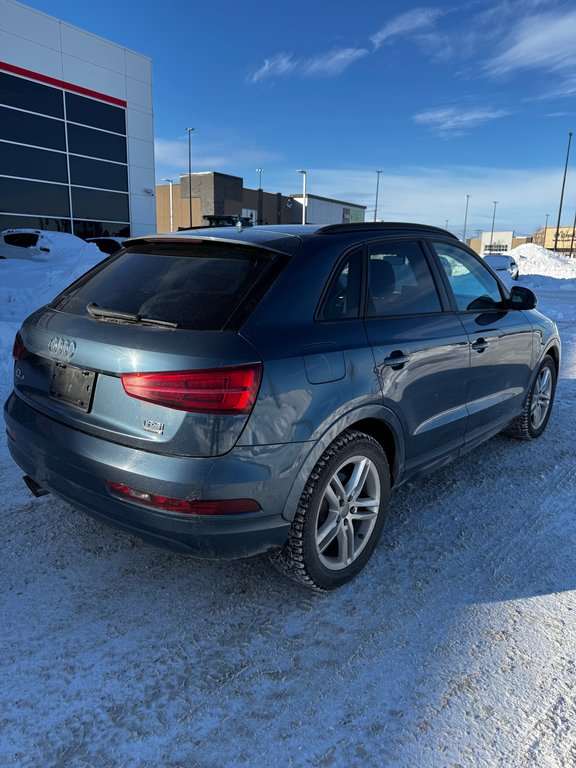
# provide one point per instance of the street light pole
(190, 172)
(304, 198)
(572, 239)
(493, 218)
(465, 218)
(447, 220)
(376, 203)
(259, 172)
(545, 230)
(171, 182)
(562, 193)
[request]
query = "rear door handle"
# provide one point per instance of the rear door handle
(480, 345)
(397, 359)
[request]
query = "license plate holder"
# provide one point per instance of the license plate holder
(73, 386)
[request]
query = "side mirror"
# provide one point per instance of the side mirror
(522, 298)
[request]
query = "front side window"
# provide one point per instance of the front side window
(473, 286)
(400, 281)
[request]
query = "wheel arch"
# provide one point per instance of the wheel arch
(378, 422)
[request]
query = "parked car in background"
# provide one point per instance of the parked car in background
(38, 244)
(228, 392)
(502, 262)
(107, 245)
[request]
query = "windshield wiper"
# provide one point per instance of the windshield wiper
(129, 317)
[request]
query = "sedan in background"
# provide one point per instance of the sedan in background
(39, 244)
(501, 262)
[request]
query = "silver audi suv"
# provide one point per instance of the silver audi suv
(227, 392)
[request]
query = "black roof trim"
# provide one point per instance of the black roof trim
(381, 226)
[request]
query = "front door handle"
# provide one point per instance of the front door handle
(397, 359)
(480, 345)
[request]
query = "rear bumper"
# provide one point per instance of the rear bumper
(75, 466)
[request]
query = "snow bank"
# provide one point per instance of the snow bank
(536, 260)
(27, 285)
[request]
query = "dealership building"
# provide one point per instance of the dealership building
(76, 129)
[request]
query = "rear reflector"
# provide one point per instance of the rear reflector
(183, 506)
(19, 351)
(215, 390)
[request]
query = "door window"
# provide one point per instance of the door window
(473, 286)
(400, 282)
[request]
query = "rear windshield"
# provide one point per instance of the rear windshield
(198, 286)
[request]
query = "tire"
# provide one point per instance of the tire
(332, 535)
(534, 418)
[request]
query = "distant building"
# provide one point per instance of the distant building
(496, 242)
(324, 210)
(546, 237)
(76, 129)
(223, 195)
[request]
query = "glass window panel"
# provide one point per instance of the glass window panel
(31, 129)
(18, 196)
(199, 288)
(26, 94)
(10, 221)
(98, 173)
(85, 141)
(21, 239)
(400, 281)
(86, 229)
(16, 160)
(473, 286)
(96, 204)
(342, 300)
(79, 109)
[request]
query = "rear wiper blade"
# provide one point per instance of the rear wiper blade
(130, 317)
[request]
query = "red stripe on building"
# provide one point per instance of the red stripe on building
(61, 84)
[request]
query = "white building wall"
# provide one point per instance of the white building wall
(47, 46)
(501, 242)
(325, 212)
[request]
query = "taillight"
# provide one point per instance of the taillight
(216, 390)
(19, 351)
(183, 506)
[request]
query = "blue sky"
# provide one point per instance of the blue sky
(446, 99)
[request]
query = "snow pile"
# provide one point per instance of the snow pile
(27, 285)
(536, 260)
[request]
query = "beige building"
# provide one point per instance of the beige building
(219, 194)
(546, 236)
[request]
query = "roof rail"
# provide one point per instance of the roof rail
(379, 226)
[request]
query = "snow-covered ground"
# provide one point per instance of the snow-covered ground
(455, 647)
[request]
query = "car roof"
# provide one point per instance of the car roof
(286, 238)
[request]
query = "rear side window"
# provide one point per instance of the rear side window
(197, 286)
(399, 280)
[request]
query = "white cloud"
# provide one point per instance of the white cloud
(431, 195)
(327, 64)
(333, 62)
(545, 42)
(278, 65)
(224, 156)
(455, 121)
(416, 20)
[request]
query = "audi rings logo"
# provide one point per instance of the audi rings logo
(63, 349)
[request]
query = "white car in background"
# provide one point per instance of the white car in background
(501, 262)
(41, 245)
